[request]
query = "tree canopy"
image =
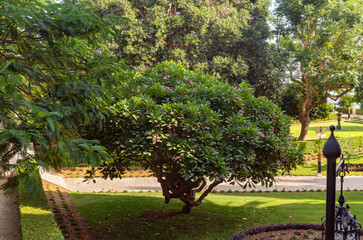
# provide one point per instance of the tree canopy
(52, 76)
(323, 39)
(227, 39)
(359, 93)
(195, 132)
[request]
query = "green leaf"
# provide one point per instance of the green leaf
(51, 124)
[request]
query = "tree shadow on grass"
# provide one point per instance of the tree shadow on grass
(146, 216)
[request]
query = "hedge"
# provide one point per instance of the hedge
(331, 116)
(36, 217)
(345, 111)
(312, 146)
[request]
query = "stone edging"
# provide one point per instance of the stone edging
(274, 227)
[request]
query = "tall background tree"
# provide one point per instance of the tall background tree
(292, 99)
(227, 39)
(359, 93)
(53, 78)
(347, 102)
(323, 40)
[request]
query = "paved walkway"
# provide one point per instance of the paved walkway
(9, 217)
(146, 184)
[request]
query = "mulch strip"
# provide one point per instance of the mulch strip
(70, 222)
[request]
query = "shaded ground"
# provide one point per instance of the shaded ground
(121, 216)
(9, 217)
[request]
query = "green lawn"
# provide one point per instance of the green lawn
(146, 216)
(310, 169)
(36, 217)
(348, 130)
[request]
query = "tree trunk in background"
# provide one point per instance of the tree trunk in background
(305, 121)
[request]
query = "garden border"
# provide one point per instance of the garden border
(274, 227)
(277, 227)
(312, 146)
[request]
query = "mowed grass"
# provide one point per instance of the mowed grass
(348, 130)
(146, 216)
(311, 167)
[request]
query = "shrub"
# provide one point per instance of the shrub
(188, 127)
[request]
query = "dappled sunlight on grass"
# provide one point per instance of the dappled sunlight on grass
(35, 211)
(145, 215)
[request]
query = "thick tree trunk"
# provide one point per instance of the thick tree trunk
(305, 121)
(186, 209)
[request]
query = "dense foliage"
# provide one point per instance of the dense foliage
(323, 39)
(347, 102)
(227, 39)
(294, 96)
(51, 81)
(359, 93)
(195, 132)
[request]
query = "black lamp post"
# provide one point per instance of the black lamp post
(320, 132)
(331, 151)
(339, 127)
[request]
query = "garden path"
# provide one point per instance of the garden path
(150, 183)
(9, 217)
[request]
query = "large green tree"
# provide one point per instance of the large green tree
(53, 76)
(227, 39)
(195, 132)
(347, 102)
(359, 93)
(323, 39)
(294, 96)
